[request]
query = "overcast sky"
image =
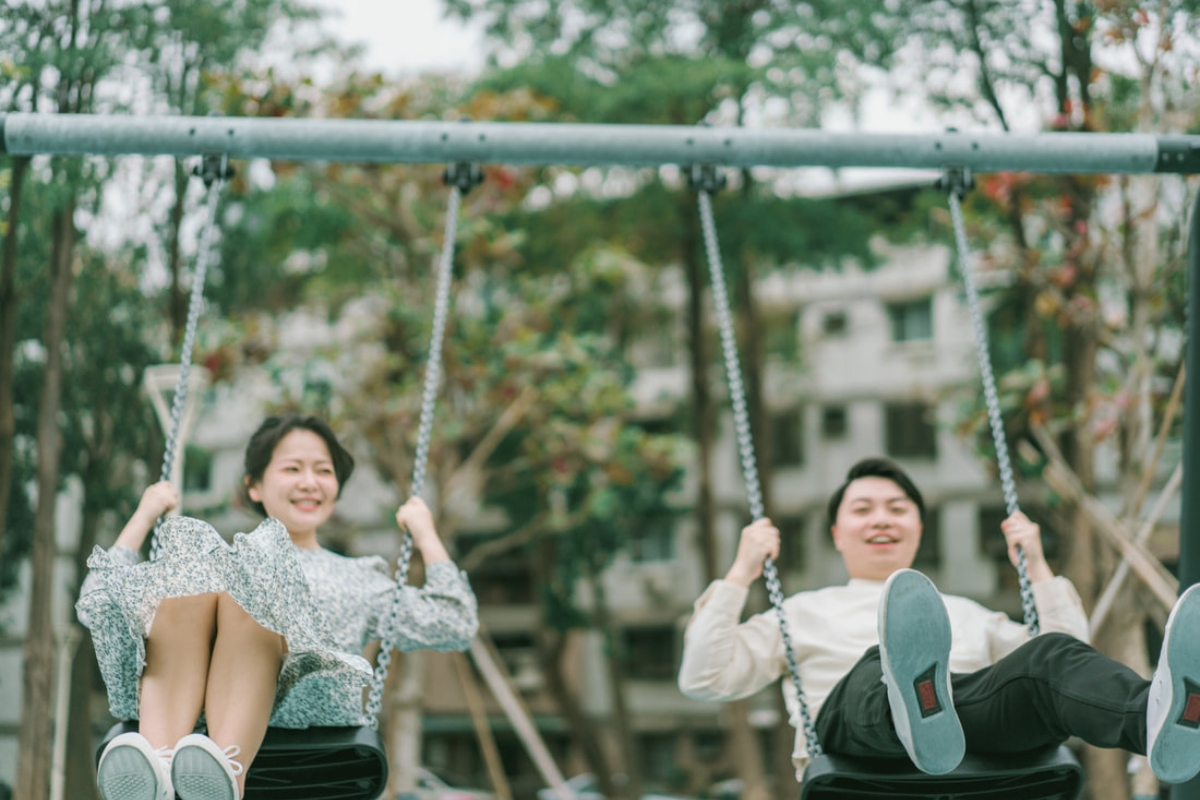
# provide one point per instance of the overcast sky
(411, 36)
(406, 37)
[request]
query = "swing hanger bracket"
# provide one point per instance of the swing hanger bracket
(956, 180)
(464, 175)
(213, 167)
(706, 178)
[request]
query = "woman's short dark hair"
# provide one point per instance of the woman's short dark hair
(875, 468)
(272, 430)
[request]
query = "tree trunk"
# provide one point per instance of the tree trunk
(81, 771)
(551, 646)
(632, 790)
(703, 416)
(750, 761)
(8, 338)
(404, 721)
(1085, 560)
(1124, 639)
(33, 770)
(178, 297)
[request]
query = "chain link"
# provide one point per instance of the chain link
(990, 396)
(204, 256)
(741, 421)
(433, 374)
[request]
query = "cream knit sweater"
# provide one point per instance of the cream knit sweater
(831, 628)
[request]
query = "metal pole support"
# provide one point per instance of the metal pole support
(465, 175)
(957, 181)
(1189, 524)
(705, 178)
(213, 167)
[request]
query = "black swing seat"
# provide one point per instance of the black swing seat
(310, 764)
(1051, 774)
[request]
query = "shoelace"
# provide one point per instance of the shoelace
(234, 766)
(166, 753)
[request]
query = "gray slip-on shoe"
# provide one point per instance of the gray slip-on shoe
(1173, 707)
(914, 649)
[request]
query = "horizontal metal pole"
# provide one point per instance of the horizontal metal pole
(588, 145)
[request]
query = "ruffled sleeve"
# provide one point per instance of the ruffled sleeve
(441, 615)
(117, 556)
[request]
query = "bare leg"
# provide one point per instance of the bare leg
(242, 678)
(178, 651)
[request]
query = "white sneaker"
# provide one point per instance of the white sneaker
(914, 651)
(131, 769)
(1173, 705)
(201, 770)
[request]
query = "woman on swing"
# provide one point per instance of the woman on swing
(267, 631)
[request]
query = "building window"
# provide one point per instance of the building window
(519, 654)
(783, 337)
(910, 430)
(197, 469)
(657, 752)
(649, 653)
(787, 439)
(835, 323)
(993, 544)
(911, 321)
(792, 540)
(653, 540)
(834, 422)
(503, 578)
(929, 554)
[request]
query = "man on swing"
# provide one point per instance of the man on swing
(890, 666)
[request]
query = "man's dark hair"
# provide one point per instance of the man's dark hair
(272, 430)
(875, 468)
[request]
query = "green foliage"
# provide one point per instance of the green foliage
(278, 241)
(106, 424)
(109, 421)
(797, 40)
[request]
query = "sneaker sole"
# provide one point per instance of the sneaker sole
(916, 672)
(127, 774)
(1175, 756)
(197, 775)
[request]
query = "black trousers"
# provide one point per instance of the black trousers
(1051, 688)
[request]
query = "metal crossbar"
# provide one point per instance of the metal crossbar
(421, 141)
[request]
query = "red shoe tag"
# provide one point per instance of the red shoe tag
(926, 691)
(1191, 712)
(1190, 717)
(929, 696)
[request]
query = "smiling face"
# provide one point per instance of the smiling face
(878, 528)
(298, 486)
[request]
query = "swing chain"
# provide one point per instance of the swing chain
(461, 177)
(705, 178)
(213, 169)
(956, 181)
(741, 420)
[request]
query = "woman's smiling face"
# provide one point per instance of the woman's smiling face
(878, 528)
(299, 486)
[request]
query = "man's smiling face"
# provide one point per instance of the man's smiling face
(878, 528)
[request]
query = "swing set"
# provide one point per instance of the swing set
(349, 763)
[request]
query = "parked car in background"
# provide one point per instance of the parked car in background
(439, 786)
(585, 787)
